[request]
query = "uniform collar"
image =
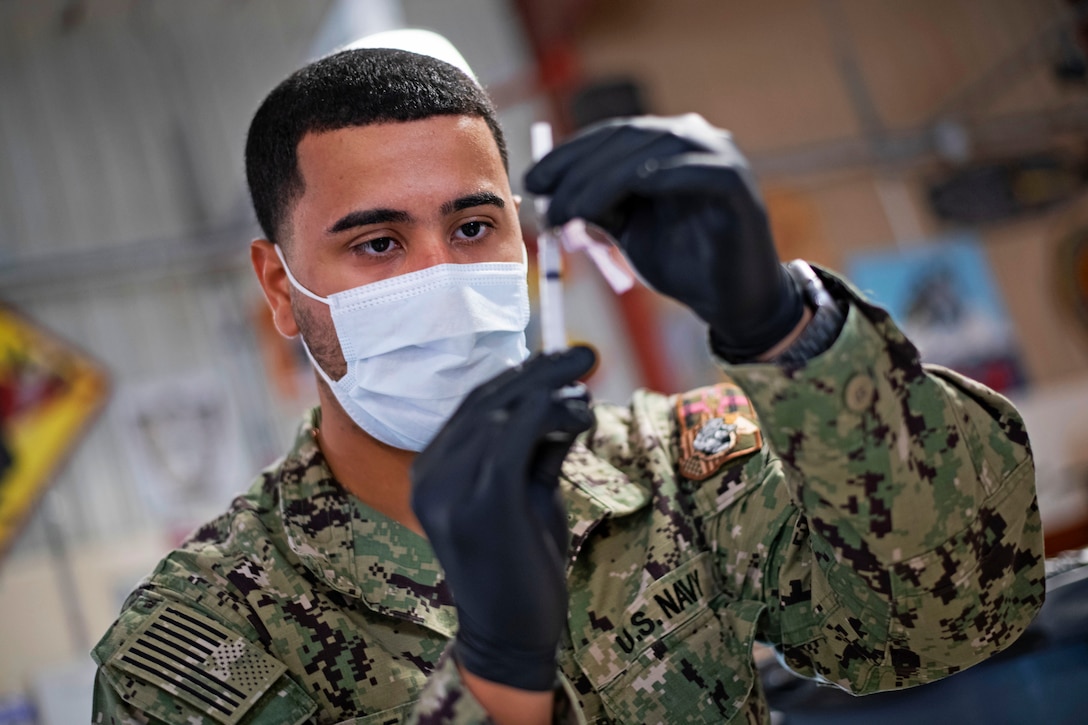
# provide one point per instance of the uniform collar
(355, 549)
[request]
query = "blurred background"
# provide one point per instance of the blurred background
(934, 151)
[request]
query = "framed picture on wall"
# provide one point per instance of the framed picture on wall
(50, 392)
(943, 296)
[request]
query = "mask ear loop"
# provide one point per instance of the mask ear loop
(294, 282)
(313, 361)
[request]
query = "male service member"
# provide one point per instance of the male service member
(452, 538)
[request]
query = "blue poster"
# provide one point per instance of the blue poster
(943, 296)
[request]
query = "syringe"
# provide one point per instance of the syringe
(553, 332)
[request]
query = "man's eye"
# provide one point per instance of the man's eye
(378, 247)
(472, 229)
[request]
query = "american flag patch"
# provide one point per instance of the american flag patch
(199, 661)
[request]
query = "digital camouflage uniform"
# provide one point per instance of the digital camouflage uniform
(876, 522)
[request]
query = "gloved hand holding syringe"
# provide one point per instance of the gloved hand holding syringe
(572, 236)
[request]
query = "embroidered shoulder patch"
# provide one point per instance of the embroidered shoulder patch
(186, 656)
(717, 424)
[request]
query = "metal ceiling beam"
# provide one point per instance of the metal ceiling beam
(204, 253)
(990, 138)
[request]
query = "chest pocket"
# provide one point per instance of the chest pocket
(680, 652)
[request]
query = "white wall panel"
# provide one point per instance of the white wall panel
(119, 136)
(130, 125)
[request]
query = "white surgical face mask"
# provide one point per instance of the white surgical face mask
(417, 344)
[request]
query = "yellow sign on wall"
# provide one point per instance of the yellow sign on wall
(49, 394)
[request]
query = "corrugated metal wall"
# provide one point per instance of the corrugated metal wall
(124, 220)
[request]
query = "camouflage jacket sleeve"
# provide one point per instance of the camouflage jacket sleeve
(165, 661)
(913, 546)
(109, 709)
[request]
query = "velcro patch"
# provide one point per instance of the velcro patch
(197, 661)
(717, 424)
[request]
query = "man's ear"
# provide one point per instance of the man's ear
(277, 289)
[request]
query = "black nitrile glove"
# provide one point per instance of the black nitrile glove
(679, 198)
(486, 493)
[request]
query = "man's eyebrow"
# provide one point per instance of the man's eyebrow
(364, 217)
(481, 198)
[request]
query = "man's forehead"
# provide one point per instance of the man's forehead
(434, 144)
(437, 143)
(395, 165)
(429, 130)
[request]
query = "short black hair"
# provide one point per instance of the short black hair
(356, 87)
